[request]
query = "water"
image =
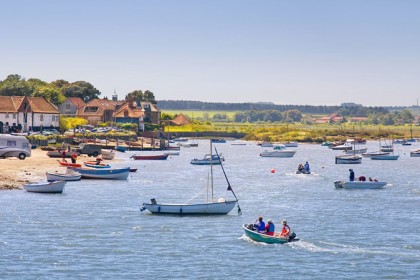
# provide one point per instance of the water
(95, 230)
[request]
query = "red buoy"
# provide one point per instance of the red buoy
(273, 171)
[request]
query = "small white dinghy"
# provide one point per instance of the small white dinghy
(70, 175)
(45, 187)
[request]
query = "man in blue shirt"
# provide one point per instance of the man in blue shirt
(260, 225)
(307, 167)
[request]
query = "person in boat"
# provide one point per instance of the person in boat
(307, 169)
(362, 178)
(269, 228)
(285, 231)
(301, 168)
(99, 160)
(351, 174)
(73, 157)
(260, 225)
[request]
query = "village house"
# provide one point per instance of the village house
(23, 113)
(130, 112)
(99, 110)
(70, 106)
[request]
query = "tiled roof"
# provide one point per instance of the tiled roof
(129, 111)
(180, 120)
(36, 104)
(78, 102)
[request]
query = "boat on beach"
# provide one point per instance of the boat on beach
(107, 154)
(69, 164)
(277, 238)
(70, 175)
(94, 164)
(45, 187)
(105, 173)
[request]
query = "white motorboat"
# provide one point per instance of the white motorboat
(344, 147)
(356, 151)
(359, 184)
(375, 153)
(278, 153)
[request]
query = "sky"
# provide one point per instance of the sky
(318, 52)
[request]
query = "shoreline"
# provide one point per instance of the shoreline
(15, 172)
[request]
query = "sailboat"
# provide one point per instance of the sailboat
(219, 207)
(389, 153)
(349, 159)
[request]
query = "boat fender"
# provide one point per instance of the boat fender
(159, 209)
(180, 210)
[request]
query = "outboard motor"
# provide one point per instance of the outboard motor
(292, 236)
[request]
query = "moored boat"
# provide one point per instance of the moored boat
(375, 153)
(348, 159)
(415, 153)
(277, 238)
(385, 157)
(45, 187)
(105, 173)
(120, 148)
(278, 153)
(150, 157)
(207, 160)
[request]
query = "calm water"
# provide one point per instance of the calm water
(95, 230)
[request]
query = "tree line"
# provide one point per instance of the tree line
(360, 111)
(58, 91)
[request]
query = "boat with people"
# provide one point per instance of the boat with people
(369, 184)
(45, 187)
(207, 160)
(69, 175)
(276, 238)
(209, 207)
(104, 173)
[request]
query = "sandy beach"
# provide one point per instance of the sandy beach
(14, 172)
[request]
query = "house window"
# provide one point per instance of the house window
(91, 109)
(41, 117)
(14, 115)
(67, 106)
(7, 115)
(53, 118)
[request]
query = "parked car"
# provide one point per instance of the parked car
(14, 146)
(89, 149)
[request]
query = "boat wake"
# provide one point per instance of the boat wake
(247, 239)
(334, 248)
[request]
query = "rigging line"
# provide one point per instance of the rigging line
(227, 180)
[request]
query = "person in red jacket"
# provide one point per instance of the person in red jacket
(285, 230)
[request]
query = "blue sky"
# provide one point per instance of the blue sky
(287, 52)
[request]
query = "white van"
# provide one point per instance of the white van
(14, 146)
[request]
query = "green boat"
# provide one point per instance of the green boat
(261, 237)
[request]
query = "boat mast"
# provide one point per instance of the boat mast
(211, 170)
